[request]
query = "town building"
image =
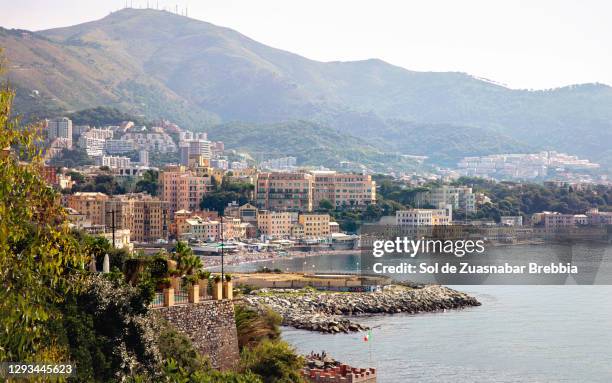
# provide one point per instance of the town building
(151, 141)
(285, 191)
(60, 128)
(195, 147)
(92, 205)
(122, 239)
(114, 161)
(315, 225)
(145, 216)
(246, 212)
(121, 146)
(511, 220)
(344, 189)
(597, 217)
(276, 224)
(183, 188)
(459, 197)
(424, 217)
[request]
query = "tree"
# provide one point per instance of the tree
(149, 182)
(38, 256)
(326, 205)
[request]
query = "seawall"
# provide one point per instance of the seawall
(211, 327)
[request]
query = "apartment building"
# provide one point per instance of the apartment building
(151, 141)
(183, 188)
(557, 220)
(178, 227)
(92, 205)
(60, 128)
(205, 229)
(114, 162)
(145, 216)
(315, 225)
(246, 213)
(459, 197)
(118, 146)
(596, 217)
(276, 224)
(424, 217)
(285, 191)
(344, 189)
(194, 148)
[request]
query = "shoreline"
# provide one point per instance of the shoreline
(236, 259)
(333, 312)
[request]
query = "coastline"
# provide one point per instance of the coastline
(333, 312)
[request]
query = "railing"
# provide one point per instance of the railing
(158, 300)
(181, 295)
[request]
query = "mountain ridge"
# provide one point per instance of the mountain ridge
(160, 64)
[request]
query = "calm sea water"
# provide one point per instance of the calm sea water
(519, 334)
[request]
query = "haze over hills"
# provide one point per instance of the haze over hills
(160, 64)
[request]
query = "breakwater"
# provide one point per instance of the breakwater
(329, 312)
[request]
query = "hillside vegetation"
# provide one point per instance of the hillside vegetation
(158, 64)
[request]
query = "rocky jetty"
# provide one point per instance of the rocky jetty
(329, 311)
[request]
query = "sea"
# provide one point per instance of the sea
(521, 333)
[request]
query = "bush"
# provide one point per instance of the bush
(254, 327)
(274, 361)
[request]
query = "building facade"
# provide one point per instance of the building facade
(285, 191)
(183, 188)
(344, 189)
(276, 224)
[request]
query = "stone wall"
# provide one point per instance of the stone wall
(211, 327)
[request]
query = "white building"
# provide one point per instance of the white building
(424, 217)
(114, 161)
(60, 128)
(119, 146)
(151, 141)
(459, 197)
(194, 147)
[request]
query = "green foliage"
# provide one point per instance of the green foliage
(187, 261)
(108, 331)
(102, 115)
(326, 205)
(72, 158)
(253, 327)
(175, 346)
(102, 183)
(37, 252)
(274, 361)
(512, 198)
(149, 183)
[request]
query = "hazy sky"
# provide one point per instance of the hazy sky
(523, 44)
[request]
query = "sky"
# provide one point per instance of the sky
(537, 44)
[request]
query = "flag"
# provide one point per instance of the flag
(368, 336)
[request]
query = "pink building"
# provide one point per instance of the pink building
(182, 188)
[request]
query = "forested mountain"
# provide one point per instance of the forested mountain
(159, 64)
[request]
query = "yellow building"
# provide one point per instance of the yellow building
(145, 216)
(315, 225)
(275, 224)
(92, 205)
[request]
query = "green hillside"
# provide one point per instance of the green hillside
(158, 64)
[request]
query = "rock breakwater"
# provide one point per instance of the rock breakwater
(329, 311)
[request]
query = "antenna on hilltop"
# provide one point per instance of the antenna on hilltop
(176, 8)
